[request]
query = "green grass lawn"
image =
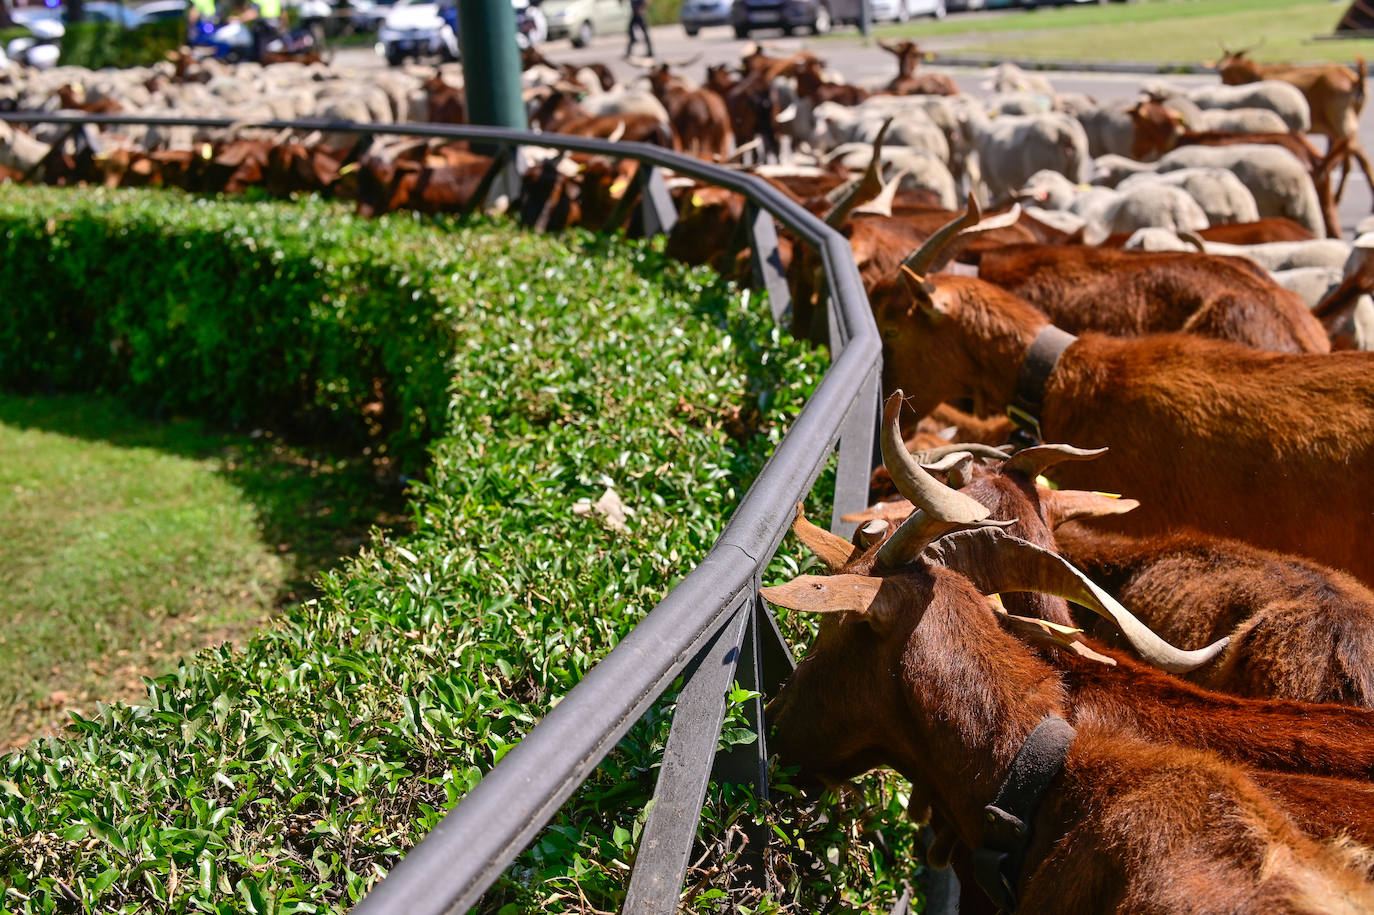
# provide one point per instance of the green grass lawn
(1186, 31)
(126, 544)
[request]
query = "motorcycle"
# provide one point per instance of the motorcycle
(233, 41)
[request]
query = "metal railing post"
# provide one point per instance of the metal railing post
(656, 206)
(765, 262)
(671, 827)
(856, 454)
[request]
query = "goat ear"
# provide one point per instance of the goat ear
(897, 511)
(1061, 506)
(831, 549)
(922, 292)
(826, 594)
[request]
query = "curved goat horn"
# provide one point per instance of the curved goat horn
(1194, 239)
(866, 188)
(873, 531)
(996, 561)
(947, 461)
(919, 261)
(953, 237)
(882, 204)
(931, 455)
(939, 509)
(1035, 461)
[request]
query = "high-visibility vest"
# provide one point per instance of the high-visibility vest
(269, 9)
(206, 8)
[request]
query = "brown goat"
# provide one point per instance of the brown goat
(1334, 93)
(447, 104)
(706, 225)
(907, 81)
(1270, 228)
(1298, 631)
(903, 679)
(813, 86)
(1198, 428)
(387, 186)
(292, 167)
(699, 115)
(1131, 293)
(912, 670)
(632, 128)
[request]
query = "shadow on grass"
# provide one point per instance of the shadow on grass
(127, 562)
(311, 504)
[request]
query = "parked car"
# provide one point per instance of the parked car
(581, 20)
(814, 16)
(368, 15)
(48, 24)
(697, 14)
(163, 10)
(903, 10)
(96, 11)
(418, 28)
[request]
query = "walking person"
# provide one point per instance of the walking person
(637, 10)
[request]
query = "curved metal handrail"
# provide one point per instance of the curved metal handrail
(474, 843)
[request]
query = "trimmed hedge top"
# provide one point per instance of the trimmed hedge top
(289, 775)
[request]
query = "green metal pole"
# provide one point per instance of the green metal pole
(491, 63)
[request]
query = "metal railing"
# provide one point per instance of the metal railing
(713, 628)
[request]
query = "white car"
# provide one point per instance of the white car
(581, 20)
(903, 10)
(416, 28)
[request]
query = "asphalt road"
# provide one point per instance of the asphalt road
(869, 65)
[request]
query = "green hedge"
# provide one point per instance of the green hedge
(664, 12)
(215, 310)
(108, 44)
(289, 775)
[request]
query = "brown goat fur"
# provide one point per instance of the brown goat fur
(384, 186)
(1298, 631)
(1273, 735)
(1198, 428)
(1335, 95)
(708, 218)
(699, 116)
(1271, 228)
(1131, 293)
(447, 104)
(633, 128)
(908, 81)
(924, 680)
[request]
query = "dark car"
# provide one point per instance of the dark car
(814, 16)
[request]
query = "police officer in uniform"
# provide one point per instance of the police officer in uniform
(264, 18)
(199, 11)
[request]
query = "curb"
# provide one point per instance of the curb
(1081, 66)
